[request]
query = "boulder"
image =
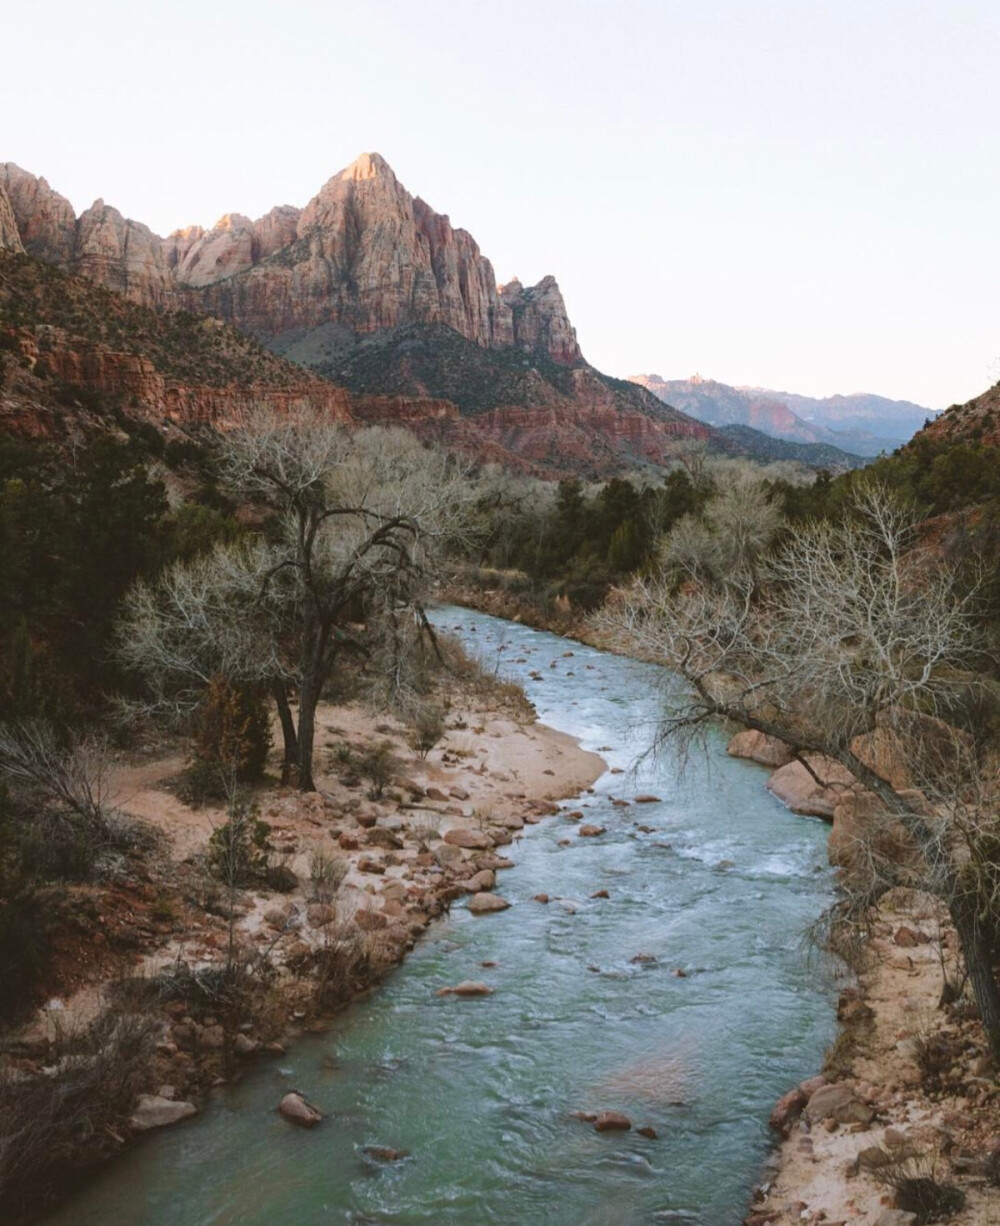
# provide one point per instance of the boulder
(320, 914)
(458, 794)
(758, 747)
(475, 840)
(647, 800)
(839, 1103)
(612, 1121)
(436, 794)
(486, 904)
(296, 1110)
(468, 987)
(154, 1111)
(590, 832)
(795, 786)
(478, 883)
(787, 1110)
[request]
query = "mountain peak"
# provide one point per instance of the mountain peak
(368, 166)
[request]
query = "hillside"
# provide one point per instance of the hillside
(861, 424)
(75, 355)
(814, 455)
(71, 348)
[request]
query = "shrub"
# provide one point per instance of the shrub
(377, 764)
(326, 875)
(428, 729)
(237, 850)
(59, 1121)
(232, 739)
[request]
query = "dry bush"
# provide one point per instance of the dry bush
(378, 764)
(347, 963)
(918, 1191)
(55, 1123)
(428, 728)
(326, 876)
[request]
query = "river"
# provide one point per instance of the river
(588, 1013)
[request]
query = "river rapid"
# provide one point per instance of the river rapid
(589, 1013)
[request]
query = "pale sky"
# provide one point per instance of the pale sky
(796, 194)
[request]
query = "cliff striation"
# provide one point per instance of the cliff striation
(363, 255)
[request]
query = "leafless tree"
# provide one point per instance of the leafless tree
(734, 530)
(71, 779)
(360, 521)
(852, 636)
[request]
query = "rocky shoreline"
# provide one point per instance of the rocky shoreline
(437, 835)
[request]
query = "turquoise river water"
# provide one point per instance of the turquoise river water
(480, 1090)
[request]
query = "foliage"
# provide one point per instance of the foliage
(583, 541)
(232, 739)
(59, 1120)
(72, 539)
(378, 764)
(428, 728)
(237, 850)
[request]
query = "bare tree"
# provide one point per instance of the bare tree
(730, 535)
(852, 637)
(71, 779)
(360, 521)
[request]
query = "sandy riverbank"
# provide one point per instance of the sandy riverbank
(441, 832)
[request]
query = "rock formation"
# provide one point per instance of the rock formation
(363, 254)
(10, 240)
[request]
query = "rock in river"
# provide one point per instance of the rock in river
(296, 1110)
(468, 987)
(152, 1111)
(612, 1121)
(485, 904)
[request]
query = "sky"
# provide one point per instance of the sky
(795, 194)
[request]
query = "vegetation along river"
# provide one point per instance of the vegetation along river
(480, 1090)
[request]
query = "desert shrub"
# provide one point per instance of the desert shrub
(232, 739)
(917, 1191)
(934, 1055)
(428, 728)
(377, 763)
(237, 850)
(59, 1121)
(345, 965)
(326, 875)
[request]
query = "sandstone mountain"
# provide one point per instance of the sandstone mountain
(76, 357)
(397, 312)
(362, 255)
(10, 239)
(862, 424)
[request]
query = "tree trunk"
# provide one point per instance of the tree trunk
(291, 741)
(977, 951)
(308, 698)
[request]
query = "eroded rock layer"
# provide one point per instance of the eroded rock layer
(363, 254)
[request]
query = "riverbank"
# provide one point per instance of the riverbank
(909, 1090)
(911, 1095)
(922, 1072)
(361, 876)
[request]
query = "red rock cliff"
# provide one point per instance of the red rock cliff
(363, 254)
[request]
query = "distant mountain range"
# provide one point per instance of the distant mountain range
(861, 423)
